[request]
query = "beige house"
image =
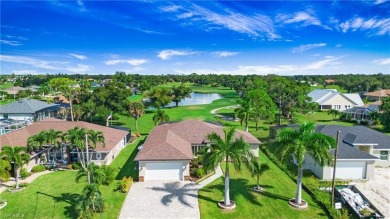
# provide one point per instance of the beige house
(331, 99)
(377, 95)
(115, 141)
(167, 151)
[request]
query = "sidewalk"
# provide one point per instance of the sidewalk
(218, 173)
(9, 184)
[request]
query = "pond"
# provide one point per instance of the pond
(198, 99)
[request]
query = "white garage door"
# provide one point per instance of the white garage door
(164, 171)
(350, 170)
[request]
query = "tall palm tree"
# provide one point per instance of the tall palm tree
(244, 111)
(136, 110)
(76, 138)
(53, 139)
(257, 170)
(95, 137)
(37, 141)
(224, 149)
(304, 141)
(160, 116)
(18, 156)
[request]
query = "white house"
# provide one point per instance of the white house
(167, 151)
(332, 99)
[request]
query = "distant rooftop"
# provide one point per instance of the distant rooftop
(25, 106)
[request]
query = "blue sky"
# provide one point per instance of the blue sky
(182, 37)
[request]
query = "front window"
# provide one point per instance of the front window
(384, 155)
(337, 107)
(196, 148)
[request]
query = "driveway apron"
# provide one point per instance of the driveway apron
(161, 199)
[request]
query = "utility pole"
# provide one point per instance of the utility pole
(334, 166)
(86, 146)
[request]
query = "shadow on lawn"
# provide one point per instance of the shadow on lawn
(238, 187)
(176, 190)
(70, 198)
(130, 167)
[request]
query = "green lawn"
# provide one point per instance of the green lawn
(270, 204)
(54, 195)
(337, 87)
(6, 85)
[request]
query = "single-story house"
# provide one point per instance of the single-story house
(115, 140)
(167, 151)
(28, 110)
(331, 99)
(377, 95)
(360, 150)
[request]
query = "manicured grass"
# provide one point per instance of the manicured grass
(3, 102)
(6, 85)
(337, 87)
(273, 203)
(54, 195)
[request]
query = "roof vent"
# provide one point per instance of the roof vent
(196, 135)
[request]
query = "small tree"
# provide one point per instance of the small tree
(18, 156)
(136, 110)
(334, 113)
(257, 170)
(160, 116)
(179, 93)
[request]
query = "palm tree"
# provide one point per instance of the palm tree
(224, 149)
(334, 113)
(136, 110)
(160, 116)
(244, 111)
(95, 137)
(63, 112)
(304, 141)
(76, 137)
(90, 200)
(257, 170)
(53, 137)
(18, 156)
(37, 141)
(96, 174)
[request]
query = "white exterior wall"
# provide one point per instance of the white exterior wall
(18, 116)
(185, 165)
(339, 100)
(113, 153)
(381, 163)
(310, 164)
(255, 149)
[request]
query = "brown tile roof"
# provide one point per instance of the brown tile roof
(19, 137)
(173, 141)
(379, 93)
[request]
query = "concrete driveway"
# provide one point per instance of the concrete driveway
(161, 199)
(377, 190)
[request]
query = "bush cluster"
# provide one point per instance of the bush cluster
(38, 168)
(125, 184)
(23, 173)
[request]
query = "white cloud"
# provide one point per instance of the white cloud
(28, 61)
(301, 17)
(80, 68)
(339, 45)
(311, 68)
(26, 72)
(378, 27)
(382, 61)
(78, 56)
(224, 53)
(133, 62)
(377, 2)
(11, 42)
(167, 54)
(256, 26)
(170, 8)
(306, 47)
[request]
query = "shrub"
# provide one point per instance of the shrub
(125, 184)
(23, 184)
(38, 168)
(200, 172)
(138, 134)
(69, 167)
(109, 174)
(24, 173)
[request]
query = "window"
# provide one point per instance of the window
(196, 149)
(384, 155)
(337, 107)
(5, 116)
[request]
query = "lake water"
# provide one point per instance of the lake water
(198, 99)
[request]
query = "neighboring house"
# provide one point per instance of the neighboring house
(115, 141)
(360, 150)
(167, 151)
(377, 95)
(29, 110)
(331, 99)
(362, 113)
